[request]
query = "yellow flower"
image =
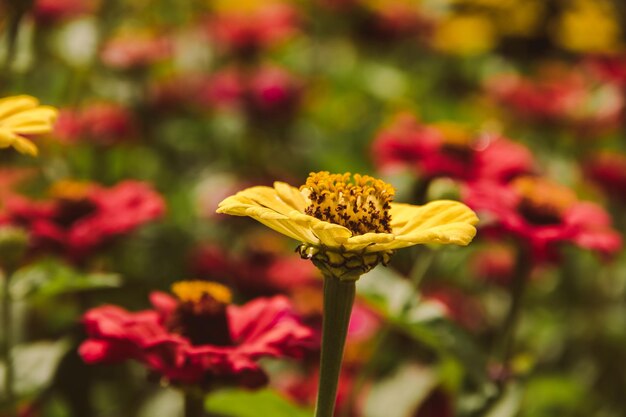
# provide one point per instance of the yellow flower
(350, 220)
(465, 35)
(22, 115)
(589, 26)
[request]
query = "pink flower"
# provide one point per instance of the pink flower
(448, 150)
(542, 214)
(99, 123)
(132, 51)
(197, 338)
(83, 217)
(272, 90)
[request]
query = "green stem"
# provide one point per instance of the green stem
(338, 300)
(367, 371)
(194, 405)
(7, 343)
(521, 275)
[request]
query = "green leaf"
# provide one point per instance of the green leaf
(35, 364)
(51, 277)
(241, 403)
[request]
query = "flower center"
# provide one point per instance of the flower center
(543, 202)
(70, 190)
(201, 313)
(74, 201)
(358, 202)
(457, 140)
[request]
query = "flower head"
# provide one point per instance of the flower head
(350, 221)
(81, 217)
(22, 116)
(197, 337)
(449, 150)
(542, 214)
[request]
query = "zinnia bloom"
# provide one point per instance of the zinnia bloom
(54, 11)
(247, 30)
(347, 225)
(21, 117)
(542, 214)
(82, 217)
(341, 215)
(99, 123)
(608, 170)
(197, 337)
(448, 150)
(136, 50)
(559, 95)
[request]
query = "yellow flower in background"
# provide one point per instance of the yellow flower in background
(22, 115)
(521, 18)
(241, 6)
(350, 220)
(465, 35)
(588, 26)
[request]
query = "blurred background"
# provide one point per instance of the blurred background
(515, 107)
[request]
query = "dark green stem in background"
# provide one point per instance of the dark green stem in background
(7, 343)
(523, 266)
(338, 301)
(194, 404)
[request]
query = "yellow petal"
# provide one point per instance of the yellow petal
(448, 222)
(23, 145)
(242, 205)
(16, 104)
(6, 138)
(369, 241)
(33, 121)
(400, 214)
(290, 195)
(331, 235)
(266, 197)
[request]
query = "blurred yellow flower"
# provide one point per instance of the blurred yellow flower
(465, 35)
(347, 218)
(588, 26)
(241, 6)
(22, 115)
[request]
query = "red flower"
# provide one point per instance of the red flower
(197, 338)
(542, 214)
(48, 12)
(82, 217)
(608, 170)
(264, 91)
(247, 31)
(560, 96)
(261, 269)
(448, 150)
(458, 306)
(494, 264)
(609, 68)
(101, 123)
(134, 50)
